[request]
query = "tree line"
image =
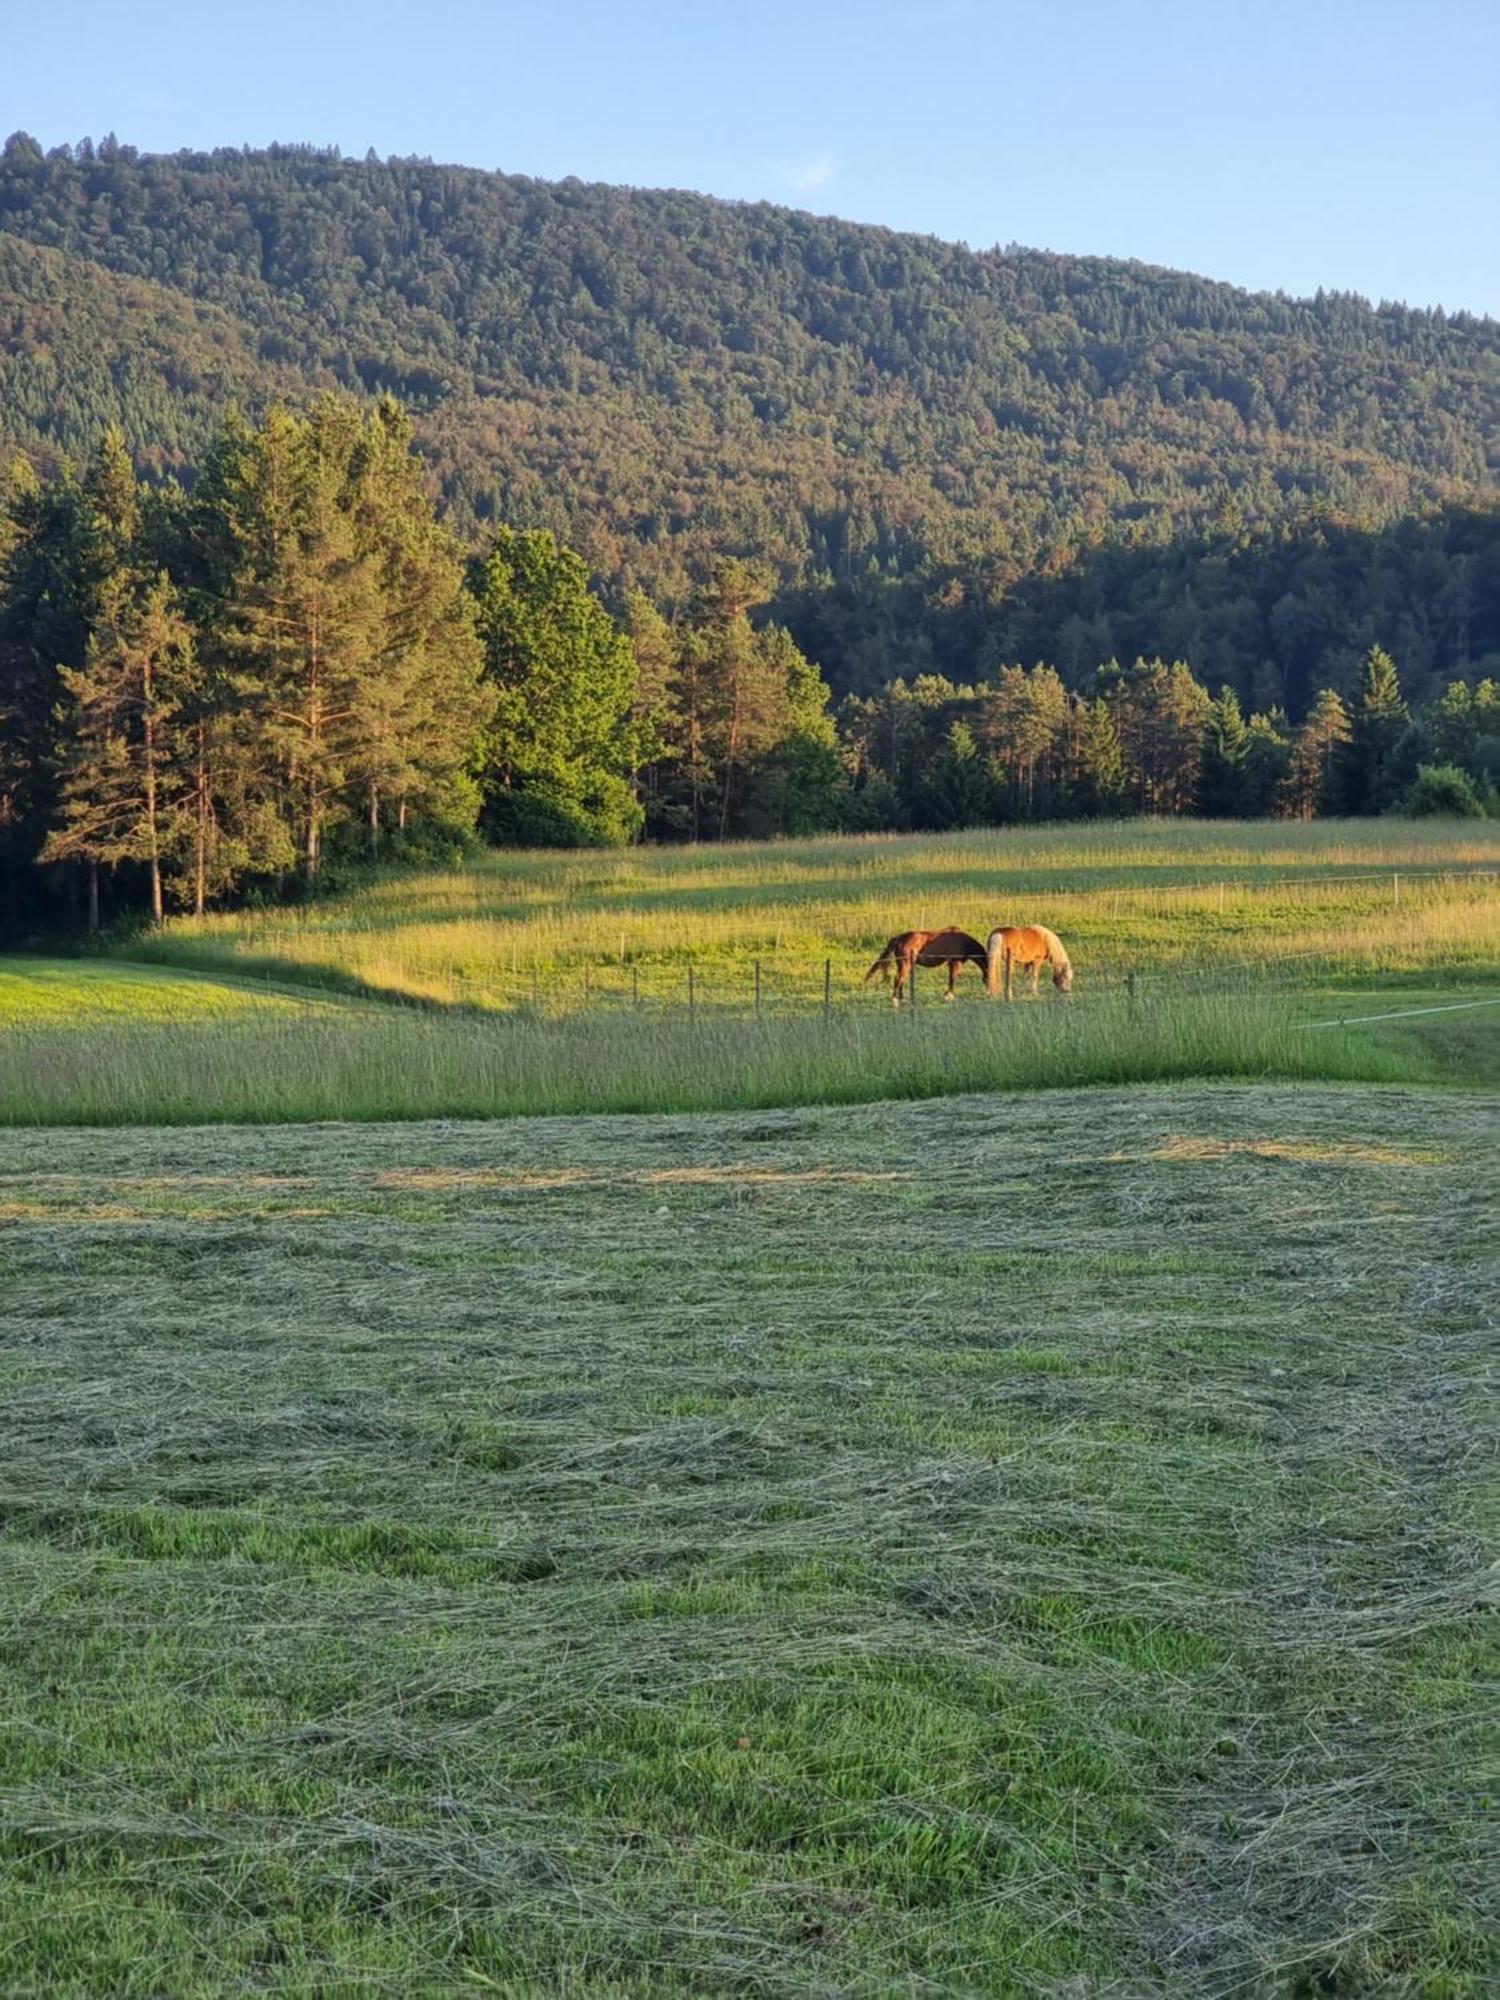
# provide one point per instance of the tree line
(216, 692)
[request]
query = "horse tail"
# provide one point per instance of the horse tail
(994, 955)
(883, 963)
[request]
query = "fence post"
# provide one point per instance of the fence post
(827, 989)
(911, 987)
(1395, 892)
(635, 985)
(692, 996)
(757, 986)
(1130, 989)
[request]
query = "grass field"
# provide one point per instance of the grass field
(575, 932)
(1010, 1545)
(550, 983)
(976, 1542)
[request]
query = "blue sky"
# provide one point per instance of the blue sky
(1276, 145)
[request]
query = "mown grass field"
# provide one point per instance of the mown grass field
(1004, 1545)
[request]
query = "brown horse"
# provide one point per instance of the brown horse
(1026, 945)
(910, 949)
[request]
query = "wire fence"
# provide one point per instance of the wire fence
(623, 971)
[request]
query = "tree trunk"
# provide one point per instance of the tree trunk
(93, 897)
(200, 855)
(148, 732)
(374, 822)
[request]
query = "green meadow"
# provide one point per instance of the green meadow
(678, 980)
(1212, 903)
(1000, 1545)
(967, 1500)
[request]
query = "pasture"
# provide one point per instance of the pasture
(1005, 1545)
(677, 980)
(881, 1517)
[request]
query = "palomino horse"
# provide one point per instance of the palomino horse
(912, 948)
(1025, 945)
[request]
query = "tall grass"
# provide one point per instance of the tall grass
(571, 930)
(381, 1063)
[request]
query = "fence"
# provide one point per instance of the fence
(757, 982)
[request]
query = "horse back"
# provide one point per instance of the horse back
(942, 947)
(1024, 942)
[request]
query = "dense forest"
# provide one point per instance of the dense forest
(942, 461)
(215, 692)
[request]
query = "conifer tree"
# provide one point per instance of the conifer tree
(1159, 712)
(1316, 747)
(1025, 724)
(1377, 717)
(302, 613)
(1222, 790)
(422, 703)
(124, 785)
(1098, 781)
(1267, 760)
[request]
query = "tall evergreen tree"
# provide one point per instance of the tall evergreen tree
(1312, 771)
(1377, 718)
(125, 781)
(1098, 776)
(1026, 724)
(1222, 788)
(423, 701)
(1159, 712)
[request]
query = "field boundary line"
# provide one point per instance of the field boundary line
(1405, 1013)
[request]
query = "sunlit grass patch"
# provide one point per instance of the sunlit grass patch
(575, 932)
(96, 994)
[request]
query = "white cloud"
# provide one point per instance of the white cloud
(807, 175)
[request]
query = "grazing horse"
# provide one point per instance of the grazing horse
(1026, 945)
(913, 948)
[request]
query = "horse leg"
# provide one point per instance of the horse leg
(900, 984)
(1036, 976)
(1009, 963)
(952, 975)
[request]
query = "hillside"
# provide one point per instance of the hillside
(905, 429)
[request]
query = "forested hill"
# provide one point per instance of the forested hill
(921, 440)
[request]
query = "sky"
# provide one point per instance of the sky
(1283, 145)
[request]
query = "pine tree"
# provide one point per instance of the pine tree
(958, 794)
(301, 621)
(653, 712)
(1311, 773)
(1098, 779)
(124, 783)
(1377, 718)
(1159, 712)
(1025, 725)
(1267, 760)
(1222, 790)
(423, 702)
